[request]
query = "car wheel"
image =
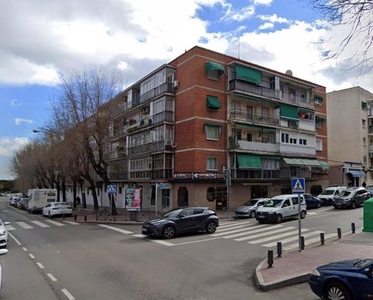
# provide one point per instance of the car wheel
(169, 232)
(353, 205)
(211, 227)
(337, 291)
(318, 205)
(302, 214)
(49, 214)
(279, 218)
(252, 214)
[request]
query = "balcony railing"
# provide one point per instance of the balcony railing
(242, 115)
(270, 93)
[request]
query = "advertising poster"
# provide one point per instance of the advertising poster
(133, 199)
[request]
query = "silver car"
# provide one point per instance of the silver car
(3, 234)
(248, 210)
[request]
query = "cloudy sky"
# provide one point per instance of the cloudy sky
(42, 39)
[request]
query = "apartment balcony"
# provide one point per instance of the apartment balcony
(245, 87)
(259, 119)
(370, 148)
(297, 149)
(157, 146)
(259, 146)
(249, 175)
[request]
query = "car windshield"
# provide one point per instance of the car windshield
(363, 263)
(327, 192)
(273, 203)
(250, 202)
(173, 213)
(345, 193)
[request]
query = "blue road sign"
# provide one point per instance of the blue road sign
(298, 185)
(111, 189)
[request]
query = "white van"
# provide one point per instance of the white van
(330, 193)
(40, 198)
(281, 207)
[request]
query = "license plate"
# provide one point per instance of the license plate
(260, 217)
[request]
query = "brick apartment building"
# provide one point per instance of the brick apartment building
(179, 131)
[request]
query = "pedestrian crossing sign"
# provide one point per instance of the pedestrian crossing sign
(111, 189)
(298, 185)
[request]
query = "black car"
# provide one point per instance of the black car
(351, 198)
(349, 279)
(312, 201)
(181, 220)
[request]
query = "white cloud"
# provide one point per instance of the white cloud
(19, 121)
(273, 19)
(263, 2)
(9, 146)
(266, 26)
(15, 103)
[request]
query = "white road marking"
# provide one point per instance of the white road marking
(9, 227)
(248, 230)
(193, 242)
(263, 240)
(31, 256)
(116, 229)
(14, 238)
(311, 241)
(25, 249)
(72, 223)
(52, 277)
(260, 229)
(55, 223)
(67, 294)
(274, 233)
(294, 238)
(164, 243)
(40, 265)
(42, 225)
(24, 225)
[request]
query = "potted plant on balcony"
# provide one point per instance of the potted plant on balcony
(233, 144)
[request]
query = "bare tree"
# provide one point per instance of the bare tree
(354, 18)
(82, 110)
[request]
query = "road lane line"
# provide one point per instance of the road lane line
(248, 230)
(164, 243)
(261, 229)
(14, 238)
(52, 277)
(193, 242)
(24, 225)
(72, 223)
(31, 256)
(55, 223)
(40, 265)
(9, 227)
(40, 224)
(291, 232)
(25, 249)
(67, 294)
(116, 229)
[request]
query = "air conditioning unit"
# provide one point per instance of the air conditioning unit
(169, 143)
(145, 110)
(175, 83)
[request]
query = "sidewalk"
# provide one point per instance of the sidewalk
(294, 267)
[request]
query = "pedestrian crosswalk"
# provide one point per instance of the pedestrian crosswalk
(268, 235)
(38, 224)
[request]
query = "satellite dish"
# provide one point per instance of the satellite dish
(289, 72)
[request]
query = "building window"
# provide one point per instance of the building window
(319, 145)
(364, 141)
(363, 122)
(284, 138)
(302, 142)
(293, 141)
(212, 163)
(212, 132)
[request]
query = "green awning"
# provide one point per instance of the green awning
(261, 128)
(305, 110)
(213, 66)
(293, 161)
(248, 74)
(247, 97)
(324, 165)
(321, 118)
(248, 161)
(311, 162)
(289, 112)
(212, 102)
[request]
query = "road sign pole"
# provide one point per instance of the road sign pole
(156, 200)
(299, 225)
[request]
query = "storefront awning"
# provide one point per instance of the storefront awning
(311, 162)
(213, 66)
(248, 161)
(212, 102)
(324, 165)
(293, 161)
(357, 173)
(303, 162)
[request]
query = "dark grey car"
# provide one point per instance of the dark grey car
(248, 210)
(181, 220)
(351, 198)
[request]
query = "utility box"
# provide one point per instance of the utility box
(368, 215)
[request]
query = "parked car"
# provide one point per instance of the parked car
(2, 252)
(351, 198)
(181, 220)
(248, 210)
(23, 203)
(3, 234)
(348, 279)
(330, 193)
(369, 188)
(15, 201)
(312, 201)
(57, 209)
(281, 207)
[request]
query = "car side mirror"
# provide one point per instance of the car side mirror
(181, 216)
(6, 223)
(368, 272)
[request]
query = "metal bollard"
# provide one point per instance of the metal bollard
(339, 232)
(279, 249)
(270, 259)
(302, 242)
(85, 218)
(75, 217)
(353, 227)
(322, 238)
(63, 216)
